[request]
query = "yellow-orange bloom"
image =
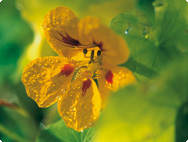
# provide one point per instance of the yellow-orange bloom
(87, 50)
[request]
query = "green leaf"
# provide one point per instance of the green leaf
(172, 22)
(154, 111)
(146, 7)
(152, 44)
(59, 132)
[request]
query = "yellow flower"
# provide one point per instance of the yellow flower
(87, 50)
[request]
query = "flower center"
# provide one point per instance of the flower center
(91, 61)
(93, 58)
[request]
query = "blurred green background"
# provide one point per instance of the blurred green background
(154, 110)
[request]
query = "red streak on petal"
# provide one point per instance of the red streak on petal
(68, 40)
(109, 77)
(66, 70)
(86, 85)
(100, 45)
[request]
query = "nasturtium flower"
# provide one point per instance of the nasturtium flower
(88, 53)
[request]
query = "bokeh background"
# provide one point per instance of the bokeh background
(155, 110)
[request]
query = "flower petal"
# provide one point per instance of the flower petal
(46, 79)
(60, 28)
(113, 47)
(112, 80)
(81, 106)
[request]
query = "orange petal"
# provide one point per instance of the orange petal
(81, 106)
(60, 28)
(46, 79)
(113, 47)
(112, 80)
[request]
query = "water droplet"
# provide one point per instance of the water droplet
(110, 84)
(40, 81)
(128, 30)
(57, 61)
(145, 34)
(73, 109)
(58, 97)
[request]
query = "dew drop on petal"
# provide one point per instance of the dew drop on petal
(40, 81)
(57, 61)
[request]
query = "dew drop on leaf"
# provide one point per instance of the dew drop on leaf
(128, 30)
(145, 34)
